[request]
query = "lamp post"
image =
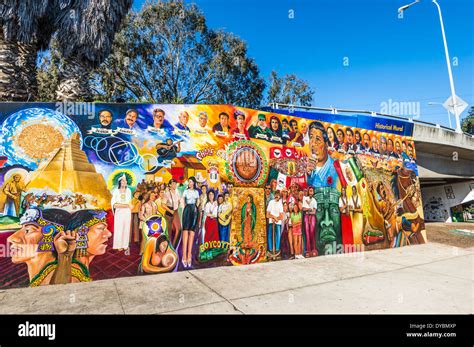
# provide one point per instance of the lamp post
(448, 62)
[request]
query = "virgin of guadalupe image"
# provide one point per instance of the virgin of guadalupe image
(249, 218)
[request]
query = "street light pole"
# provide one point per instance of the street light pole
(450, 73)
(448, 62)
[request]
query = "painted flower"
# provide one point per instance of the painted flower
(329, 180)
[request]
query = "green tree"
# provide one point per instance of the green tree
(467, 124)
(22, 35)
(165, 53)
(49, 65)
(290, 90)
(84, 31)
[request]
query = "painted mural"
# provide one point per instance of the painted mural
(119, 190)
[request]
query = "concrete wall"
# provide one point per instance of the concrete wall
(442, 153)
(438, 200)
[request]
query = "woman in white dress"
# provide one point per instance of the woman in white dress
(121, 205)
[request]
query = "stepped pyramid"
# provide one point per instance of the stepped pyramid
(69, 170)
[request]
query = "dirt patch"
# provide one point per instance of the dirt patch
(441, 233)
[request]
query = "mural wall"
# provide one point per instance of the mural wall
(114, 190)
(449, 203)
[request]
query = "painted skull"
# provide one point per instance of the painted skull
(31, 215)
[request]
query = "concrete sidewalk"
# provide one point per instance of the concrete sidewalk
(431, 278)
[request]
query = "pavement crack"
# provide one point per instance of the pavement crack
(216, 292)
(118, 295)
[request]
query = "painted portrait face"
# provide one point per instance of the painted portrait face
(202, 120)
(273, 184)
(16, 178)
(105, 118)
(98, 236)
(397, 147)
(163, 246)
(131, 118)
(274, 124)
(285, 124)
(366, 140)
(24, 243)
(340, 135)
(183, 118)
(404, 147)
(294, 125)
(123, 182)
(303, 127)
(357, 136)
(375, 143)
(318, 146)
(224, 120)
(331, 135)
(240, 121)
(390, 146)
(158, 119)
(220, 199)
(383, 144)
(349, 137)
(410, 150)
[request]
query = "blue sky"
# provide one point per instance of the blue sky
(389, 58)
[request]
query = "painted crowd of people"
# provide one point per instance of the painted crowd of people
(191, 211)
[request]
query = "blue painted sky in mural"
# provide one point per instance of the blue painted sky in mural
(15, 124)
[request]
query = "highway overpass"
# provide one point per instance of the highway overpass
(443, 155)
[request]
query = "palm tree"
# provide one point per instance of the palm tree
(84, 29)
(23, 32)
(85, 33)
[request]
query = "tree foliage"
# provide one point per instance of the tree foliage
(290, 90)
(467, 124)
(83, 29)
(48, 67)
(166, 53)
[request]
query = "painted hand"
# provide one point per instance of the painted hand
(65, 242)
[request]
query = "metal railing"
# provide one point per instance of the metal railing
(334, 110)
